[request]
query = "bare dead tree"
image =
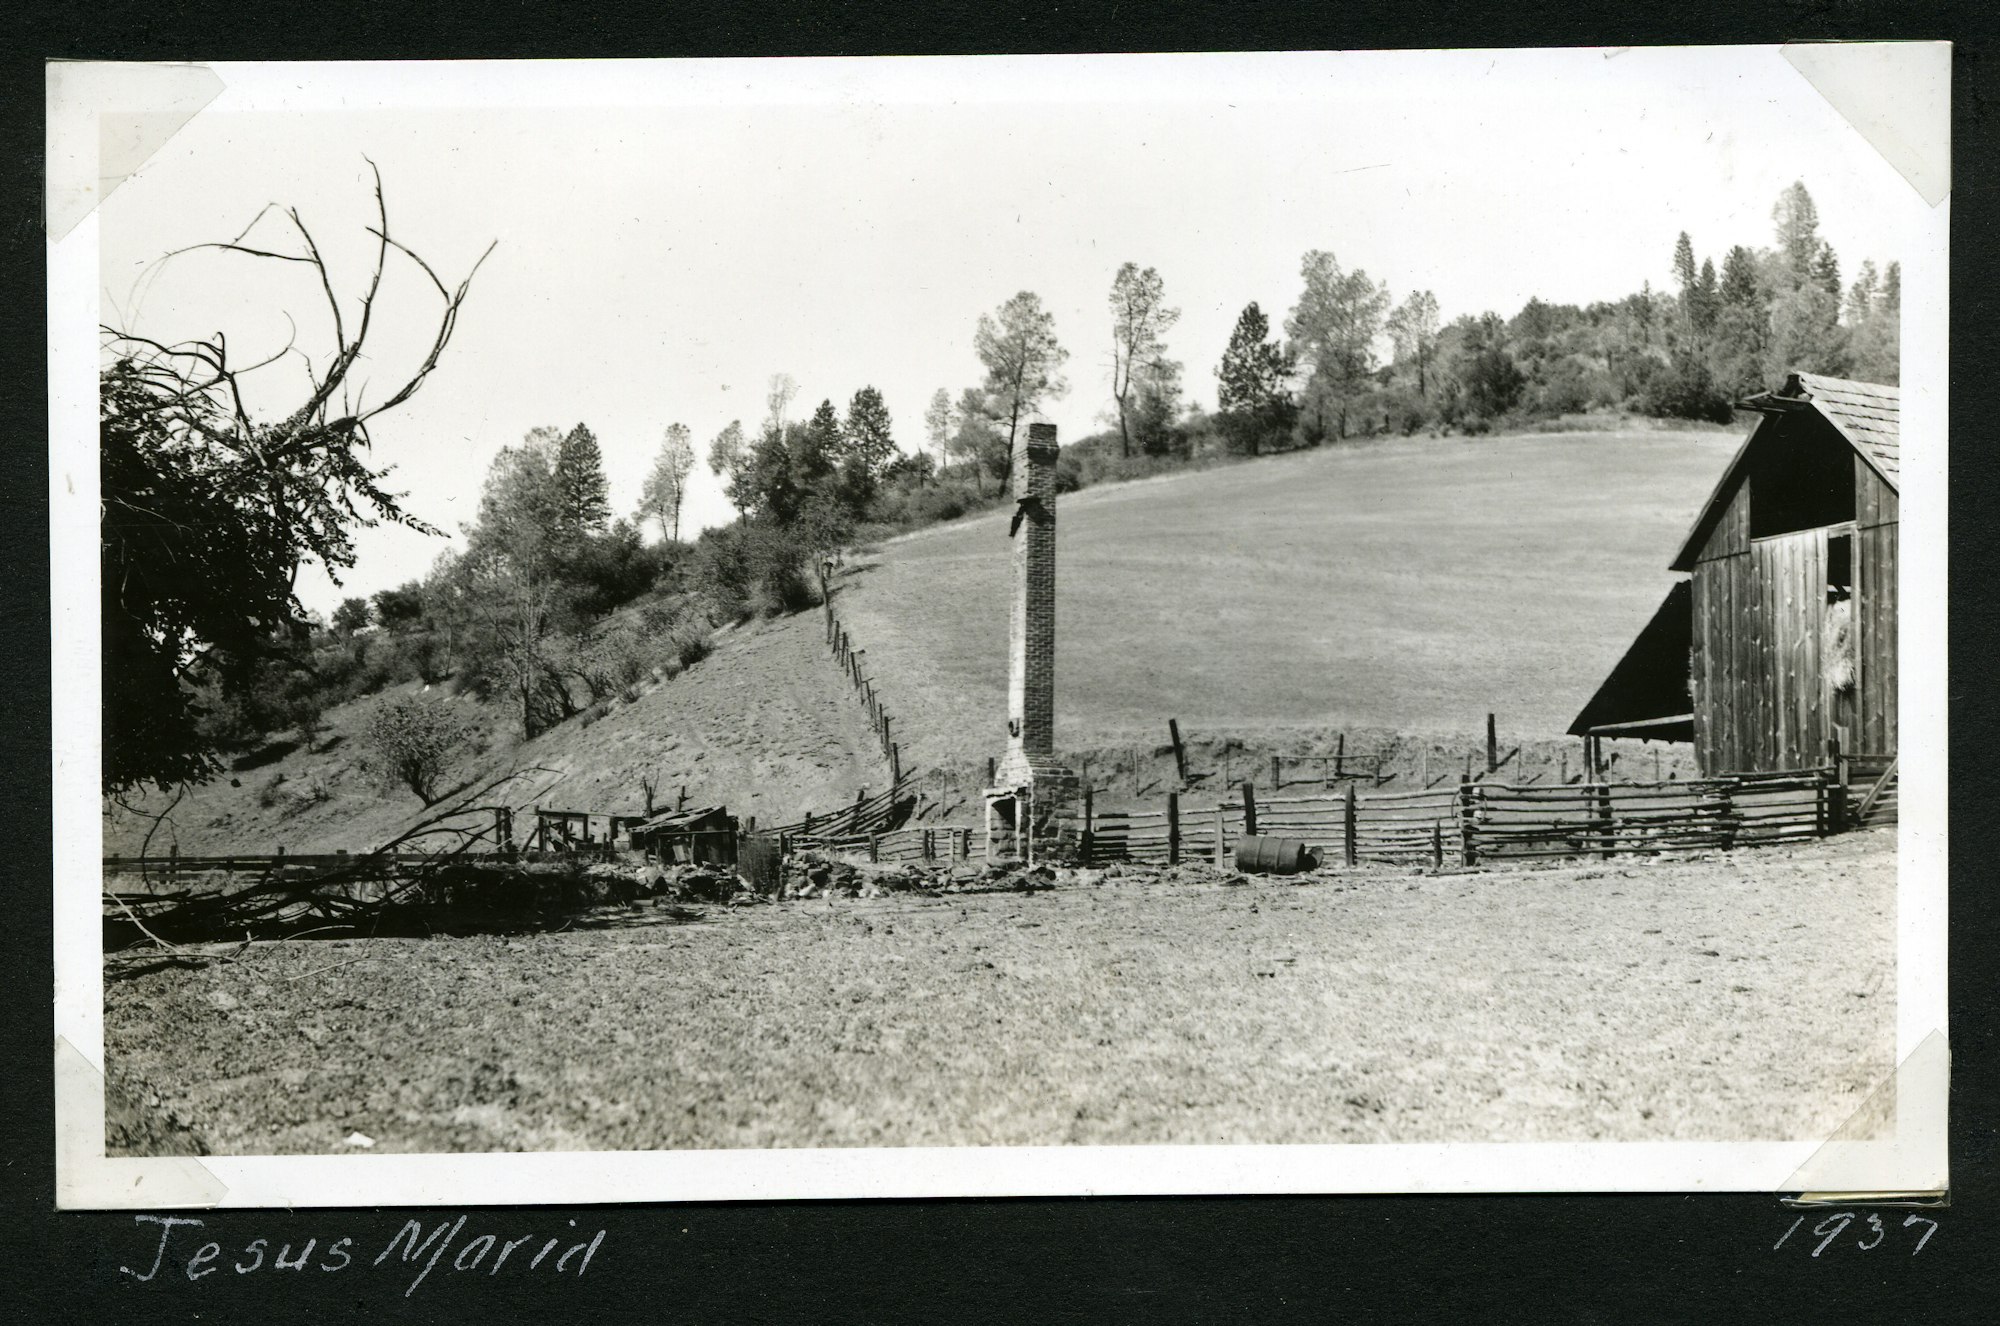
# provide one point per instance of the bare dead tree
(209, 512)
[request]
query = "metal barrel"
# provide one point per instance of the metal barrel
(1262, 854)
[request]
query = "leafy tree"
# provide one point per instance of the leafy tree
(977, 439)
(400, 607)
(1023, 363)
(938, 424)
(1252, 384)
(583, 498)
(728, 456)
(415, 742)
(1413, 330)
(507, 588)
(1489, 382)
(1140, 320)
(778, 396)
(208, 511)
(666, 483)
(350, 616)
(1333, 329)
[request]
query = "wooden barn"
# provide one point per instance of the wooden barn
(1783, 636)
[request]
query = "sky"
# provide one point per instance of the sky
(668, 235)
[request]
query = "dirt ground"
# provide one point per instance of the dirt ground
(1737, 997)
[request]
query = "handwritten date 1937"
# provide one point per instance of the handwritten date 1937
(1869, 1234)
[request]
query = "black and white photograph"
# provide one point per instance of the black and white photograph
(1309, 622)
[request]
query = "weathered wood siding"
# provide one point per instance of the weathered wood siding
(1790, 571)
(1720, 665)
(1875, 603)
(1761, 699)
(1875, 502)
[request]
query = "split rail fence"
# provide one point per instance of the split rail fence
(1476, 822)
(848, 657)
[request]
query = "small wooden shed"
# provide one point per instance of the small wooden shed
(704, 834)
(1783, 636)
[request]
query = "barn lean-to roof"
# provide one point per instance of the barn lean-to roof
(1864, 414)
(1647, 694)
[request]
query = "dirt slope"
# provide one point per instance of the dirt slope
(1407, 586)
(764, 725)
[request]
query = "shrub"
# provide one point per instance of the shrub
(691, 647)
(758, 566)
(1683, 389)
(415, 742)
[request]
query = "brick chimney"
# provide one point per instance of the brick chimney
(1030, 788)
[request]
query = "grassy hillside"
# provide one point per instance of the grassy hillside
(765, 725)
(1389, 590)
(1405, 586)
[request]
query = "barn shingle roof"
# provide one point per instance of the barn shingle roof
(1866, 414)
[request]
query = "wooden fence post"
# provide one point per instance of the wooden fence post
(1180, 751)
(989, 771)
(1083, 842)
(1340, 756)
(1173, 828)
(1219, 834)
(1249, 810)
(1836, 791)
(1437, 845)
(1603, 798)
(895, 762)
(1348, 827)
(1277, 771)
(1468, 853)
(874, 847)
(1492, 746)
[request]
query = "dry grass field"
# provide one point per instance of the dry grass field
(1411, 586)
(1742, 996)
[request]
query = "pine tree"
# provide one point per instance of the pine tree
(1826, 270)
(1797, 223)
(867, 434)
(1742, 327)
(1707, 298)
(1252, 383)
(1684, 271)
(816, 451)
(583, 498)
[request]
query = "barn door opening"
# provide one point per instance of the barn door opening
(1838, 656)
